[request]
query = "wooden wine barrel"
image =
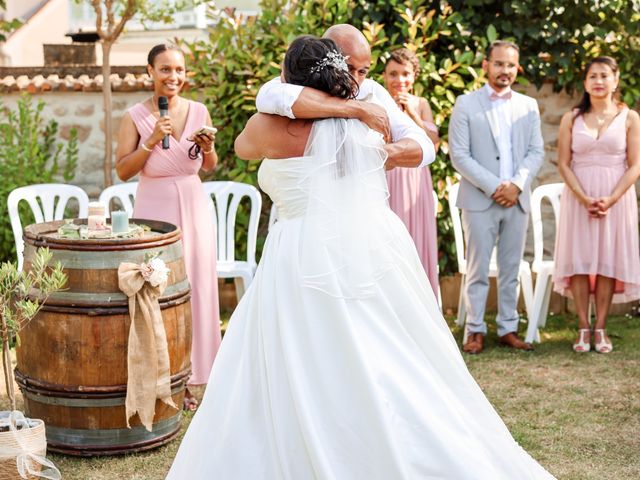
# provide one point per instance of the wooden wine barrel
(72, 358)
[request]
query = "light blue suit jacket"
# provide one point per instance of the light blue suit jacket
(473, 147)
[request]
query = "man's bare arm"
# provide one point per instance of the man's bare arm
(313, 103)
(403, 153)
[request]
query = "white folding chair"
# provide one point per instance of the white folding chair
(125, 193)
(543, 268)
(47, 202)
(524, 272)
(227, 197)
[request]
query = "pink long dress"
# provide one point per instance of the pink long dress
(171, 191)
(411, 198)
(605, 246)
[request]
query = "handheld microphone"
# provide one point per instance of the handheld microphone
(163, 108)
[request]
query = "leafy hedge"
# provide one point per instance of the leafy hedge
(29, 153)
(240, 54)
(558, 38)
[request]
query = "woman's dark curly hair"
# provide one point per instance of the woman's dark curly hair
(404, 56)
(303, 66)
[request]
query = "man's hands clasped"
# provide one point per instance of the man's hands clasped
(506, 195)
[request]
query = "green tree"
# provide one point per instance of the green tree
(558, 38)
(30, 152)
(21, 297)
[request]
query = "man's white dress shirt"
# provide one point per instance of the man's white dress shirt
(503, 109)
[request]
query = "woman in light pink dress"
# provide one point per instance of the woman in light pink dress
(171, 191)
(411, 189)
(597, 249)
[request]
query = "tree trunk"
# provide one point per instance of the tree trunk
(6, 364)
(108, 125)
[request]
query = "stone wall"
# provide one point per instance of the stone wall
(552, 106)
(83, 110)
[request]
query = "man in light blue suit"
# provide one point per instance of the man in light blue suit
(496, 145)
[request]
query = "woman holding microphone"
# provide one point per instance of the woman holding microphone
(170, 189)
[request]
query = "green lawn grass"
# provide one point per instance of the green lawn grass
(577, 414)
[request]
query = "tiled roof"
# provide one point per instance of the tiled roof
(128, 82)
(73, 78)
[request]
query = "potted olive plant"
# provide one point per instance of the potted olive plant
(22, 440)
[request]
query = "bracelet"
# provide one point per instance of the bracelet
(207, 152)
(145, 148)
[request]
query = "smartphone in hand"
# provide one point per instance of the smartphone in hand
(204, 130)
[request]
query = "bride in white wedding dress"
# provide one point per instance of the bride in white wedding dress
(337, 363)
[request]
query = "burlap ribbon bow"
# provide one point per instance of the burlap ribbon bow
(148, 356)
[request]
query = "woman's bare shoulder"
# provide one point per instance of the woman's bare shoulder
(424, 103)
(264, 121)
(283, 137)
(632, 123)
(425, 109)
(273, 136)
(568, 118)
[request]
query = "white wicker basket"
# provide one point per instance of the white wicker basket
(29, 437)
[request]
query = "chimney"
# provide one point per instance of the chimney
(82, 50)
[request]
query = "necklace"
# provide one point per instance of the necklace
(601, 118)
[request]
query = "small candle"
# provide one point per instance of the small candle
(96, 208)
(96, 222)
(119, 222)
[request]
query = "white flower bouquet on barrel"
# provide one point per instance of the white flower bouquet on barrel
(155, 271)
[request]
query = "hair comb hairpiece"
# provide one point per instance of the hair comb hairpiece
(333, 59)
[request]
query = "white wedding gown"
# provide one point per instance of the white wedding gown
(336, 382)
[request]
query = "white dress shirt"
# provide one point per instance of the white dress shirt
(504, 113)
(276, 97)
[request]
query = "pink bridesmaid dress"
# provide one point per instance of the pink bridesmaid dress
(171, 191)
(605, 246)
(411, 198)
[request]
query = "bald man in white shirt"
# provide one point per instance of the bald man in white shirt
(410, 145)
